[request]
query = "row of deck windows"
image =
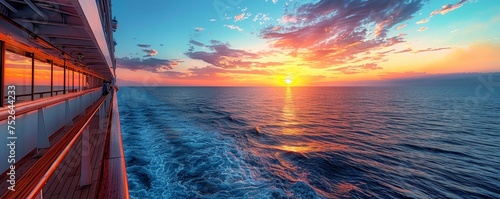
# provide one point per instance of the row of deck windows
(46, 80)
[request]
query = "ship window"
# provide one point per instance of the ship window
(42, 79)
(72, 80)
(77, 81)
(58, 80)
(68, 80)
(18, 73)
(85, 82)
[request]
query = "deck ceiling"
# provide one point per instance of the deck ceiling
(63, 24)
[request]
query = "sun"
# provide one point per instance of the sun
(288, 81)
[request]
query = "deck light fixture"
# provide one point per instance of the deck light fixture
(80, 56)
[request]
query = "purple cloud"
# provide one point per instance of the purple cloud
(150, 64)
(144, 45)
(334, 32)
(211, 71)
(223, 56)
(348, 70)
(448, 8)
(404, 51)
(432, 49)
(150, 52)
(444, 9)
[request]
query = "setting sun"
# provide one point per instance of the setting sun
(288, 81)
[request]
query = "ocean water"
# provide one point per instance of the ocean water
(324, 142)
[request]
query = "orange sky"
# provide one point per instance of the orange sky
(308, 43)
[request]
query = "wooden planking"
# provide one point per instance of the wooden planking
(73, 180)
(52, 187)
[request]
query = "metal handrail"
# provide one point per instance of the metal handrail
(38, 93)
(47, 92)
(68, 141)
(26, 108)
(116, 183)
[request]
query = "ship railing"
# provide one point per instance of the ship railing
(30, 185)
(40, 94)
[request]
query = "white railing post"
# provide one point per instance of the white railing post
(40, 195)
(85, 177)
(42, 138)
(67, 113)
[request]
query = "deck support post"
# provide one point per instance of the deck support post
(40, 195)
(43, 138)
(85, 178)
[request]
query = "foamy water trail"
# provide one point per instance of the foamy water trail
(170, 157)
(308, 143)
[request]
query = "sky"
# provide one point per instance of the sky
(302, 43)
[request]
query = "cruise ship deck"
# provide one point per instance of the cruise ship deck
(60, 136)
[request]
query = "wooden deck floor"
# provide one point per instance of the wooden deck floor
(65, 181)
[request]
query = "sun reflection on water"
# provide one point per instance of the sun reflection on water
(289, 119)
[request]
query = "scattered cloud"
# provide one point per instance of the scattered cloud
(150, 52)
(448, 8)
(348, 70)
(423, 21)
(423, 50)
(212, 20)
(401, 26)
(404, 51)
(150, 64)
(196, 43)
(432, 49)
(262, 18)
(199, 29)
(223, 56)
(288, 19)
(233, 27)
(444, 9)
(144, 45)
(239, 17)
(338, 32)
(422, 29)
(213, 71)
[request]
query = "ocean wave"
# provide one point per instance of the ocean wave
(308, 143)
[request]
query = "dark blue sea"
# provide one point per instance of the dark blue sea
(312, 142)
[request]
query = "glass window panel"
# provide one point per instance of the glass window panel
(58, 80)
(68, 80)
(42, 79)
(18, 73)
(77, 81)
(85, 82)
(72, 80)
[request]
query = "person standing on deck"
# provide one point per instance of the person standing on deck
(105, 88)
